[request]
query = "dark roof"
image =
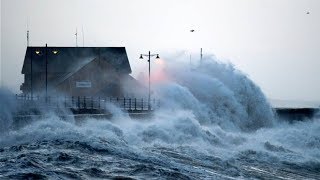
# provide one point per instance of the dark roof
(70, 59)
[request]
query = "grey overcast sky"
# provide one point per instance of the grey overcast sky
(275, 42)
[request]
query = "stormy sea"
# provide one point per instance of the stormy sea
(213, 123)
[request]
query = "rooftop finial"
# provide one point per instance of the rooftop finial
(27, 38)
(28, 33)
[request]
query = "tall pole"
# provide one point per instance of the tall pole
(82, 37)
(46, 72)
(200, 56)
(27, 38)
(149, 62)
(149, 82)
(76, 37)
(31, 52)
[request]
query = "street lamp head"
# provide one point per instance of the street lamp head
(141, 57)
(157, 56)
(38, 52)
(55, 52)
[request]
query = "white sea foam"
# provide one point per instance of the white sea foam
(214, 110)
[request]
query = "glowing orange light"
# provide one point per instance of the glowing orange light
(159, 62)
(159, 73)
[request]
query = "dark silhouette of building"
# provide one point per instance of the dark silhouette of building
(77, 71)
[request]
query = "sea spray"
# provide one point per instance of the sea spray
(7, 107)
(217, 93)
(213, 123)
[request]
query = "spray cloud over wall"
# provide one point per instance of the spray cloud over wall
(215, 92)
(214, 122)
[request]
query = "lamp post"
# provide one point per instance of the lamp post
(31, 62)
(149, 55)
(46, 72)
(38, 52)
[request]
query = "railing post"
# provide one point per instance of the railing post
(84, 102)
(72, 101)
(99, 102)
(124, 103)
(91, 102)
(135, 103)
(78, 102)
(142, 104)
(130, 104)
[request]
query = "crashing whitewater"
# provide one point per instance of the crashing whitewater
(213, 123)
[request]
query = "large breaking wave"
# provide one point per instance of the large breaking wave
(213, 122)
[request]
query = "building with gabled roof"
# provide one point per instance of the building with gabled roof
(76, 71)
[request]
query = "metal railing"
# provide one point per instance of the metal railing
(83, 102)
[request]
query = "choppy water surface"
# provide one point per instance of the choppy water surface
(214, 124)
